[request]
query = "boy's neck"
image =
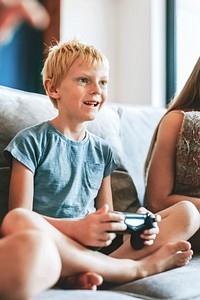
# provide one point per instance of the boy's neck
(73, 133)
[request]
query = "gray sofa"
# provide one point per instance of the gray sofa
(128, 129)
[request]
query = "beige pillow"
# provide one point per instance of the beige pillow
(125, 198)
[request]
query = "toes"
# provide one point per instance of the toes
(184, 257)
(94, 279)
(182, 246)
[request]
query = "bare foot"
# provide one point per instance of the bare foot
(83, 281)
(171, 255)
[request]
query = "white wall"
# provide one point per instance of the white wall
(131, 34)
(188, 42)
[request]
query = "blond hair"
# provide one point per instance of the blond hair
(189, 98)
(61, 56)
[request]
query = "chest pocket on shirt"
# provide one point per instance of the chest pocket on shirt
(94, 175)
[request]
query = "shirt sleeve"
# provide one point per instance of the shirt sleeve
(110, 163)
(23, 148)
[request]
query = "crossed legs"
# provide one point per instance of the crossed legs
(39, 249)
(167, 251)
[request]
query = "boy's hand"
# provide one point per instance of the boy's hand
(149, 235)
(97, 229)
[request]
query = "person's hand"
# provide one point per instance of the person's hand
(97, 229)
(149, 235)
(14, 12)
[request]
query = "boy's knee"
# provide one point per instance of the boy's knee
(39, 263)
(187, 207)
(18, 213)
(16, 219)
(8, 222)
(189, 211)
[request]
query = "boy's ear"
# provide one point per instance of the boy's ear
(50, 89)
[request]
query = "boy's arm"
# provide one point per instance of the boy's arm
(21, 186)
(105, 194)
(93, 230)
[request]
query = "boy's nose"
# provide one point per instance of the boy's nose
(95, 89)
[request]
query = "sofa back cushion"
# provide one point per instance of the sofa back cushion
(19, 109)
(138, 123)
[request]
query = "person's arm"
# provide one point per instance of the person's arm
(105, 194)
(90, 231)
(160, 180)
(13, 13)
(21, 186)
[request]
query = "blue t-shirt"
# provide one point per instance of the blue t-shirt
(67, 174)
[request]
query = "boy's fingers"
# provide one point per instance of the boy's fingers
(158, 218)
(103, 210)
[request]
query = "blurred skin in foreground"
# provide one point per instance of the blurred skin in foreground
(15, 12)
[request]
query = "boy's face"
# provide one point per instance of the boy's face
(82, 92)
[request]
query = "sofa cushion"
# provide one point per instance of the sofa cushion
(19, 109)
(137, 127)
(85, 295)
(180, 283)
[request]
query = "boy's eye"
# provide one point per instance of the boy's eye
(104, 82)
(83, 80)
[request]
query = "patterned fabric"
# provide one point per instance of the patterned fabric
(187, 179)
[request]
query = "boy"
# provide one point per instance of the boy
(62, 171)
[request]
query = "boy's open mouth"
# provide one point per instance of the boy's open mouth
(91, 103)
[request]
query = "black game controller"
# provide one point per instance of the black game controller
(136, 224)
